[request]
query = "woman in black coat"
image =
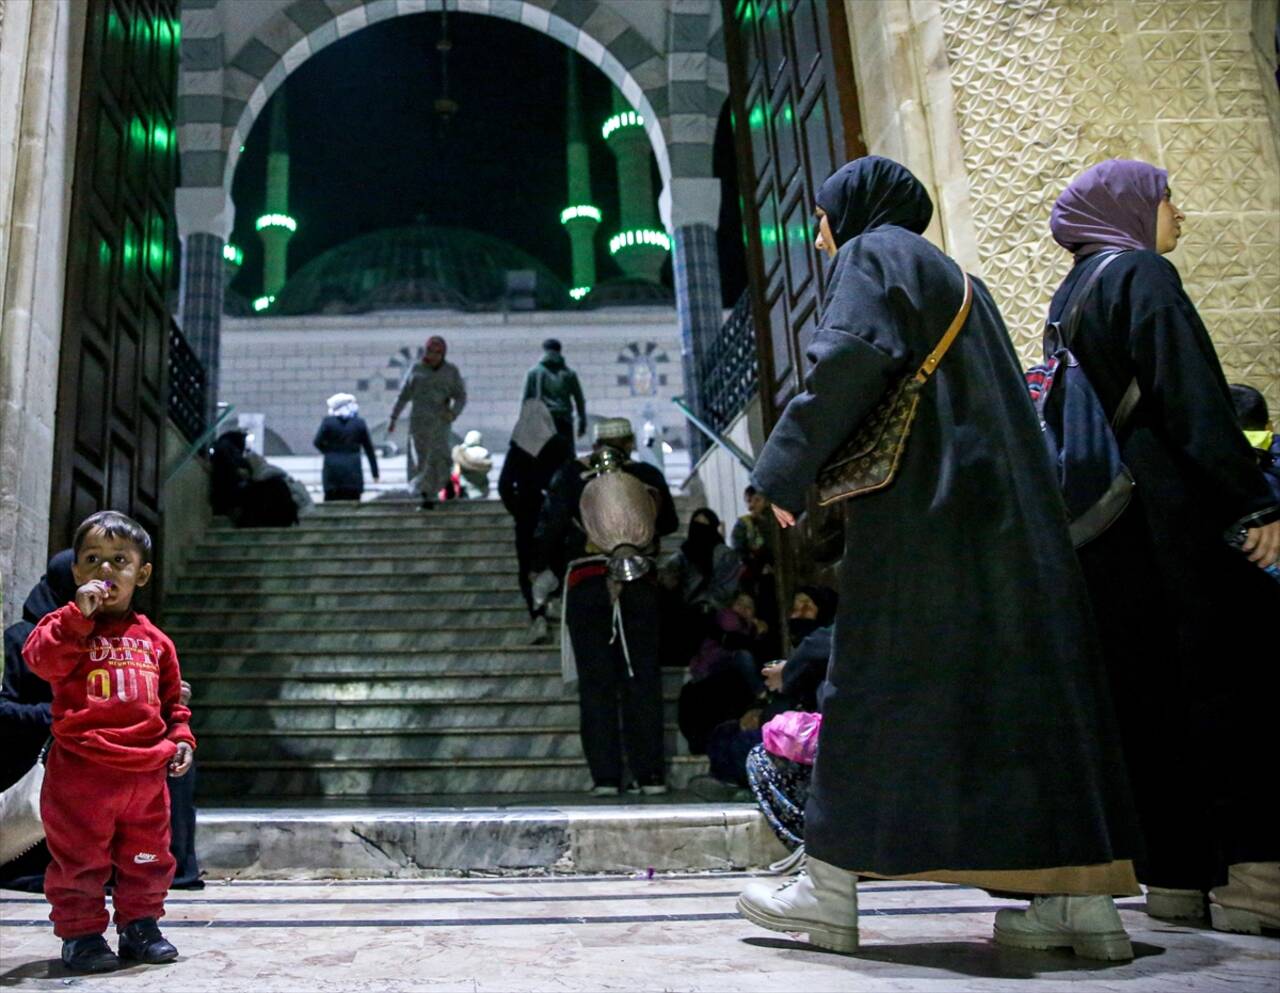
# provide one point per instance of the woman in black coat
(1181, 612)
(341, 437)
(966, 730)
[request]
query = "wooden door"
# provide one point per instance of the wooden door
(120, 266)
(796, 122)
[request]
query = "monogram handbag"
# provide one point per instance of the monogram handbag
(868, 461)
(20, 826)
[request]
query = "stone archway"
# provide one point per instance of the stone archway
(676, 90)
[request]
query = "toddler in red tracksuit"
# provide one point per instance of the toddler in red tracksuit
(118, 727)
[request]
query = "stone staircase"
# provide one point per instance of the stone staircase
(376, 652)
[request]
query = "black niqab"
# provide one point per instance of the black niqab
(704, 534)
(56, 588)
(871, 192)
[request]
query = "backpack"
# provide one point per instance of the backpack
(1095, 483)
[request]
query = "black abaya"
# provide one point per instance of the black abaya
(966, 720)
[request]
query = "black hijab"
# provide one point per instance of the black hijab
(826, 600)
(870, 192)
(57, 587)
(699, 548)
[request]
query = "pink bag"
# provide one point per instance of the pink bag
(793, 735)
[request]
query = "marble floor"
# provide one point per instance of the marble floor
(567, 933)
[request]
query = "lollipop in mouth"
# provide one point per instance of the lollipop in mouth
(109, 585)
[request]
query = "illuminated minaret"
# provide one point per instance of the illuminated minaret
(275, 226)
(581, 216)
(640, 246)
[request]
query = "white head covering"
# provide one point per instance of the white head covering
(534, 427)
(343, 405)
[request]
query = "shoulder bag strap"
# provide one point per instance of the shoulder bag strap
(1071, 324)
(931, 362)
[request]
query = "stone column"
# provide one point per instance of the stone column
(201, 307)
(204, 224)
(691, 210)
(40, 62)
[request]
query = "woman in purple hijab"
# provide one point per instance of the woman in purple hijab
(1180, 611)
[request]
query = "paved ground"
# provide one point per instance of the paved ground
(607, 933)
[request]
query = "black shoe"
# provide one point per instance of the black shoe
(89, 953)
(141, 941)
(427, 504)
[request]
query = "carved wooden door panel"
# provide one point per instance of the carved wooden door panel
(120, 259)
(795, 114)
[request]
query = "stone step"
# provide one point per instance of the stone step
(255, 714)
(465, 550)
(424, 613)
(198, 667)
(399, 777)
(466, 581)
(374, 538)
(556, 741)
(258, 604)
(467, 658)
(352, 565)
(405, 523)
(382, 687)
(555, 837)
(362, 638)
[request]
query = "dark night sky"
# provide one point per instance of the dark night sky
(367, 151)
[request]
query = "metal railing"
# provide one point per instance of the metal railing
(715, 436)
(200, 442)
(188, 387)
(729, 369)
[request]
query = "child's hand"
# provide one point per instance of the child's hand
(184, 692)
(182, 759)
(92, 595)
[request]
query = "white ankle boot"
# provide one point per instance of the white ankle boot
(1088, 925)
(1175, 905)
(822, 902)
(1250, 901)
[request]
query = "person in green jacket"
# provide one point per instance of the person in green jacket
(556, 385)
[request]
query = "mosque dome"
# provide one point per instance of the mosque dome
(418, 267)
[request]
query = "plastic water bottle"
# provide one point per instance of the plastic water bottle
(1235, 538)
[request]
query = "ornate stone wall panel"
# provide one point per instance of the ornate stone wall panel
(1044, 88)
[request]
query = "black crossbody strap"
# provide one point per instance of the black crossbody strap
(1071, 321)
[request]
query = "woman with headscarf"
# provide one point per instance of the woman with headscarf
(343, 433)
(536, 452)
(698, 579)
(966, 732)
(1178, 609)
(437, 393)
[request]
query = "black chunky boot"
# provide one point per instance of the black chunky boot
(141, 941)
(89, 953)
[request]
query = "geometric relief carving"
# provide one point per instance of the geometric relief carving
(1044, 88)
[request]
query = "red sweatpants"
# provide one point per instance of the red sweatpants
(96, 818)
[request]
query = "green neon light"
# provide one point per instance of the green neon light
(262, 303)
(641, 236)
(578, 292)
(582, 212)
(276, 221)
(627, 119)
(233, 253)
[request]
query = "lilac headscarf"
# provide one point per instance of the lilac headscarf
(1110, 205)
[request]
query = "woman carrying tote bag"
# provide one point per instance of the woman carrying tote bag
(966, 732)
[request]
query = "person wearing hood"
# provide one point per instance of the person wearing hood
(438, 394)
(698, 579)
(556, 385)
(966, 735)
(250, 501)
(537, 451)
(342, 434)
(1167, 588)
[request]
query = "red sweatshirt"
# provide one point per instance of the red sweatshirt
(115, 687)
